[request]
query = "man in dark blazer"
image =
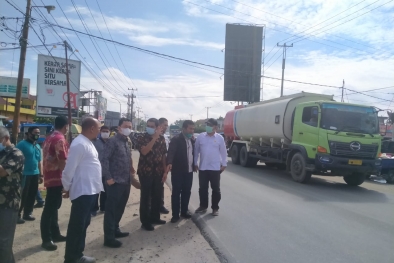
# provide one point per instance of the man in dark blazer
(180, 163)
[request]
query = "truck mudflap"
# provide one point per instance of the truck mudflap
(345, 166)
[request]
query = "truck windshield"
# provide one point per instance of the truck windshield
(349, 118)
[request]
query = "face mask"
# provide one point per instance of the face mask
(105, 135)
(35, 137)
(208, 129)
(126, 131)
(188, 135)
(150, 130)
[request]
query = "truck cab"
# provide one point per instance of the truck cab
(337, 139)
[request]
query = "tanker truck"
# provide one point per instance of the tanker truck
(306, 134)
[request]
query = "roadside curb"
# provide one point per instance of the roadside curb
(221, 251)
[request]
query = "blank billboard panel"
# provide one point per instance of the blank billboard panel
(242, 63)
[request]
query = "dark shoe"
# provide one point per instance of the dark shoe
(29, 218)
(186, 215)
(121, 234)
(59, 239)
(164, 210)
(86, 259)
(39, 205)
(148, 227)
(20, 221)
(50, 246)
(94, 213)
(112, 243)
(158, 222)
(201, 210)
(174, 219)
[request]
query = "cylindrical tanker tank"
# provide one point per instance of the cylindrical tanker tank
(268, 121)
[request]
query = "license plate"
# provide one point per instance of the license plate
(355, 162)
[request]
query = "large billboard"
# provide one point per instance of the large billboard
(52, 86)
(242, 62)
(8, 87)
(101, 107)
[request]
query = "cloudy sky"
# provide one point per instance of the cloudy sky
(332, 40)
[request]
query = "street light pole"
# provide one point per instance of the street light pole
(21, 70)
(67, 46)
(120, 106)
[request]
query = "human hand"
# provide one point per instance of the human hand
(40, 180)
(196, 168)
(164, 177)
(133, 172)
(110, 182)
(222, 168)
(158, 132)
(169, 168)
(65, 194)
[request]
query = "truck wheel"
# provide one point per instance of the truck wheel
(298, 169)
(368, 176)
(354, 180)
(235, 154)
(245, 159)
(390, 177)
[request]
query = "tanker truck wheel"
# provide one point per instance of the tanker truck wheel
(354, 180)
(245, 159)
(235, 154)
(298, 169)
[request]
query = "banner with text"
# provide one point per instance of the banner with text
(52, 86)
(101, 107)
(8, 87)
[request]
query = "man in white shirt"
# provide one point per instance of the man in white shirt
(211, 149)
(82, 183)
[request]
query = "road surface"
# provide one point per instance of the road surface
(266, 217)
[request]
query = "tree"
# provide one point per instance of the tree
(178, 123)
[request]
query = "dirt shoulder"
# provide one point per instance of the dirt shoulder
(170, 243)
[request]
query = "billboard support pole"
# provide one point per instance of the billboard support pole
(66, 46)
(21, 71)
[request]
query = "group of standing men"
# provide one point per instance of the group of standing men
(96, 163)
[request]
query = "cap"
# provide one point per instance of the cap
(212, 122)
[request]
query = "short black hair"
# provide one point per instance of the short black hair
(60, 122)
(104, 128)
(32, 128)
(154, 120)
(122, 120)
(186, 123)
(162, 120)
(88, 123)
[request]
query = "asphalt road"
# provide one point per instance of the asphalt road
(266, 217)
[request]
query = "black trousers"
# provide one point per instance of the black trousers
(29, 194)
(117, 197)
(100, 199)
(181, 191)
(76, 232)
(206, 177)
(8, 218)
(49, 219)
(150, 203)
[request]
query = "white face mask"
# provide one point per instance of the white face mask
(126, 131)
(105, 135)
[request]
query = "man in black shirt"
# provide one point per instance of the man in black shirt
(180, 163)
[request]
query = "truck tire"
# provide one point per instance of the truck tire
(354, 180)
(390, 177)
(298, 169)
(245, 159)
(235, 154)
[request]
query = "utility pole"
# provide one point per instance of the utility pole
(283, 65)
(191, 117)
(21, 70)
(132, 103)
(207, 111)
(67, 46)
(138, 116)
(343, 89)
